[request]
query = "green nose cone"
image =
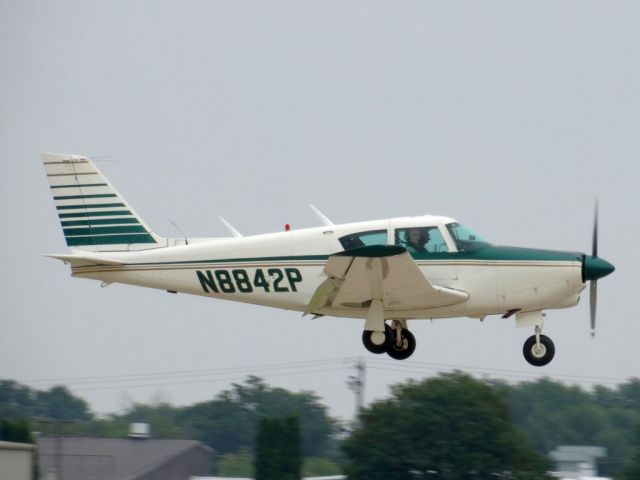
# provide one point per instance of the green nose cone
(596, 267)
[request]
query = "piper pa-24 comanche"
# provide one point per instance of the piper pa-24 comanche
(386, 272)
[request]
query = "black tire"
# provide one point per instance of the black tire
(401, 353)
(372, 347)
(539, 359)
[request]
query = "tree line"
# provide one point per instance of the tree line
(532, 418)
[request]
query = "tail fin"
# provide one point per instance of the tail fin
(94, 216)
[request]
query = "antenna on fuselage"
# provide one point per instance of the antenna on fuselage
(186, 242)
(230, 227)
(323, 218)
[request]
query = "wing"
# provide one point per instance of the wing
(385, 272)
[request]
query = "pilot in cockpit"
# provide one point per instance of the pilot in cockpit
(415, 239)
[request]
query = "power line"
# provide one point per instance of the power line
(159, 379)
(209, 380)
(492, 375)
(183, 373)
(489, 371)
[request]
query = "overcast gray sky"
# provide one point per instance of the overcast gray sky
(509, 116)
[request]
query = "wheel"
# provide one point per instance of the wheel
(408, 345)
(538, 357)
(372, 347)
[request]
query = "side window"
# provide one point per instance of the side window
(421, 239)
(361, 239)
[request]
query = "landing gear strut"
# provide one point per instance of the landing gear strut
(538, 350)
(402, 343)
(397, 341)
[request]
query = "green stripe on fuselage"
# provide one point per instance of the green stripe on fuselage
(490, 254)
(494, 253)
(244, 260)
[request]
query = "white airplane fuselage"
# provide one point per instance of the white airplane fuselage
(292, 263)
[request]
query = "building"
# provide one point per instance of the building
(16, 461)
(576, 461)
(84, 458)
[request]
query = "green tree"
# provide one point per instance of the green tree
(16, 401)
(222, 423)
(267, 452)
(235, 465)
(59, 404)
(451, 427)
(553, 414)
(163, 419)
(291, 454)
(319, 467)
(229, 422)
(19, 402)
(19, 431)
(278, 449)
(632, 470)
(258, 399)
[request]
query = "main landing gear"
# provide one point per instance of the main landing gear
(379, 337)
(396, 340)
(538, 350)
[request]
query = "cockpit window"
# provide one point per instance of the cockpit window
(466, 240)
(361, 239)
(421, 239)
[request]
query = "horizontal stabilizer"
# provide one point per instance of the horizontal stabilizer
(84, 260)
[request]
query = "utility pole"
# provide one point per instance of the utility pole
(357, 383)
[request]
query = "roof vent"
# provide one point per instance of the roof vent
(139, 430)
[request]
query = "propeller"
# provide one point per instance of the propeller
(593, 286)
(595, 268)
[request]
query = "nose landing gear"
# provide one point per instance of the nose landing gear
(538, 349)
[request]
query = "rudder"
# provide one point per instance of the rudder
(93, 215)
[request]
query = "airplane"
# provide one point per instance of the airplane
(386, 272)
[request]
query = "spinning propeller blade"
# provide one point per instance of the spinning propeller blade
(593, 288)
(595, 268)
(594, 243)
(593, 301)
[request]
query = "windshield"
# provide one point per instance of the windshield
(466, 240)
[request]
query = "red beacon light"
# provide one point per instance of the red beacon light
(287, 227)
